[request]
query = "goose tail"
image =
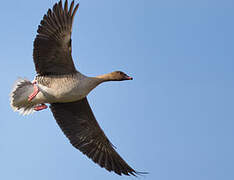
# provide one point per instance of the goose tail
(19, 96)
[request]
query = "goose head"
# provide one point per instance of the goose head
(113, 76)
(119, 76)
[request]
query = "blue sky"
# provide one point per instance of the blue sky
(174, 120)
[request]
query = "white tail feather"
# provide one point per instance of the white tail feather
(19, 97)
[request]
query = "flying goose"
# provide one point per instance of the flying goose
(59, 84)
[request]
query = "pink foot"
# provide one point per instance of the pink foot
(34, 93)
(40, 107)
(34, 81)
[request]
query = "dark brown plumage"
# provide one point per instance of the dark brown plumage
(78, 123)
(52, 45)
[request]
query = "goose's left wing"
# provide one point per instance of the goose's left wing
(78, 123)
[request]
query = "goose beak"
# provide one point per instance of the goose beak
(129, 78)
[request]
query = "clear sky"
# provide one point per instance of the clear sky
(174, 120)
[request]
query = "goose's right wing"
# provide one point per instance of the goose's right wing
(52, 45)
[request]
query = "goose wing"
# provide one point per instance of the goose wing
(52, 45)
(78, 123)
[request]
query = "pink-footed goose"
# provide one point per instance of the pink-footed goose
(65, 89)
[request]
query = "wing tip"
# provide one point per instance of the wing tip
(78, 123)
(58, 16)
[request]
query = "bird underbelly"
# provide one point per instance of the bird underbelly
(63, 94)
(62, 89)
(70, 96)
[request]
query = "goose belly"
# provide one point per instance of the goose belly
(68, 91)
(64, 94)
(71, 94)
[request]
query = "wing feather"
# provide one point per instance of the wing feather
(52, 45)
(78, 123)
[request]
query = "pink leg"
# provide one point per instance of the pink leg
(34, 93)
(34, 81)
(40, 107)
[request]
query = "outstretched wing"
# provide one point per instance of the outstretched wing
(52, 45)
(78, 123)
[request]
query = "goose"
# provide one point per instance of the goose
(59, 84)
